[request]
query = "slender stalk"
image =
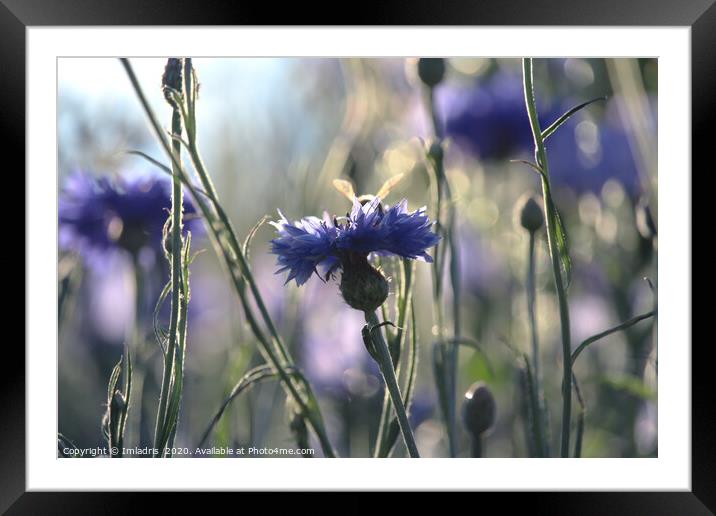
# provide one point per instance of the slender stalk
(176, 271)
(476, 446)
(551, 221)
(447, 354)
(218, 226)
(384, 441)
(134, 430)
(391, 383)
(536, 372)
(531, 298)
(580, 419)
(172, 418)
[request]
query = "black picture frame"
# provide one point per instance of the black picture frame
(17, 15)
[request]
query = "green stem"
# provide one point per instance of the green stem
(172, 419)
(391, 383)
(531, 295)
(476, 446)
(217, 228)
(176, 222)
(536, 373)
(550, 221)
(134, 430)
(580, 419)
(447, 353)
(386, 438)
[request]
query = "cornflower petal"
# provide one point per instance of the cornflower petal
(303, 246)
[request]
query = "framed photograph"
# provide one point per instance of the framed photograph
(426, 233)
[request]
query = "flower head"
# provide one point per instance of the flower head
(304, 246)
(99, 215)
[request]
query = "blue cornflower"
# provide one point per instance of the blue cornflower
(98, 215)
(306, 245)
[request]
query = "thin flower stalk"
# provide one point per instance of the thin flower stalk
(551, 222)
(226, 245)
(386, 438)
(446, 354)
(382, 355)
(174, 345)
(541, 445)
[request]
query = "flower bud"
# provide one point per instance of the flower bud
(172, 79)
(363, 287)
(431, 70)
(478, 409)
(119, 403)
(531, 216)
(644, 220)
(436, 152)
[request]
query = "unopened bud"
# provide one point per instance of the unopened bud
(118, 402)
(172, 79)
(431, 70)
(436, 152)
(644, 220)
(531, 216)
(478, 409)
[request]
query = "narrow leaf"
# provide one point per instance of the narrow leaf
(605, 333)
(166, 170)
(562, 119)
(252, 234)
(252, 377)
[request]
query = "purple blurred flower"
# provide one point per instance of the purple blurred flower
(485, 272)
(310, 243)
(421, 408)
(489, 120)
(116, 227)
(98, 215)
(584, 154)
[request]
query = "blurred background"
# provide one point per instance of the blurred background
(274, 133)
